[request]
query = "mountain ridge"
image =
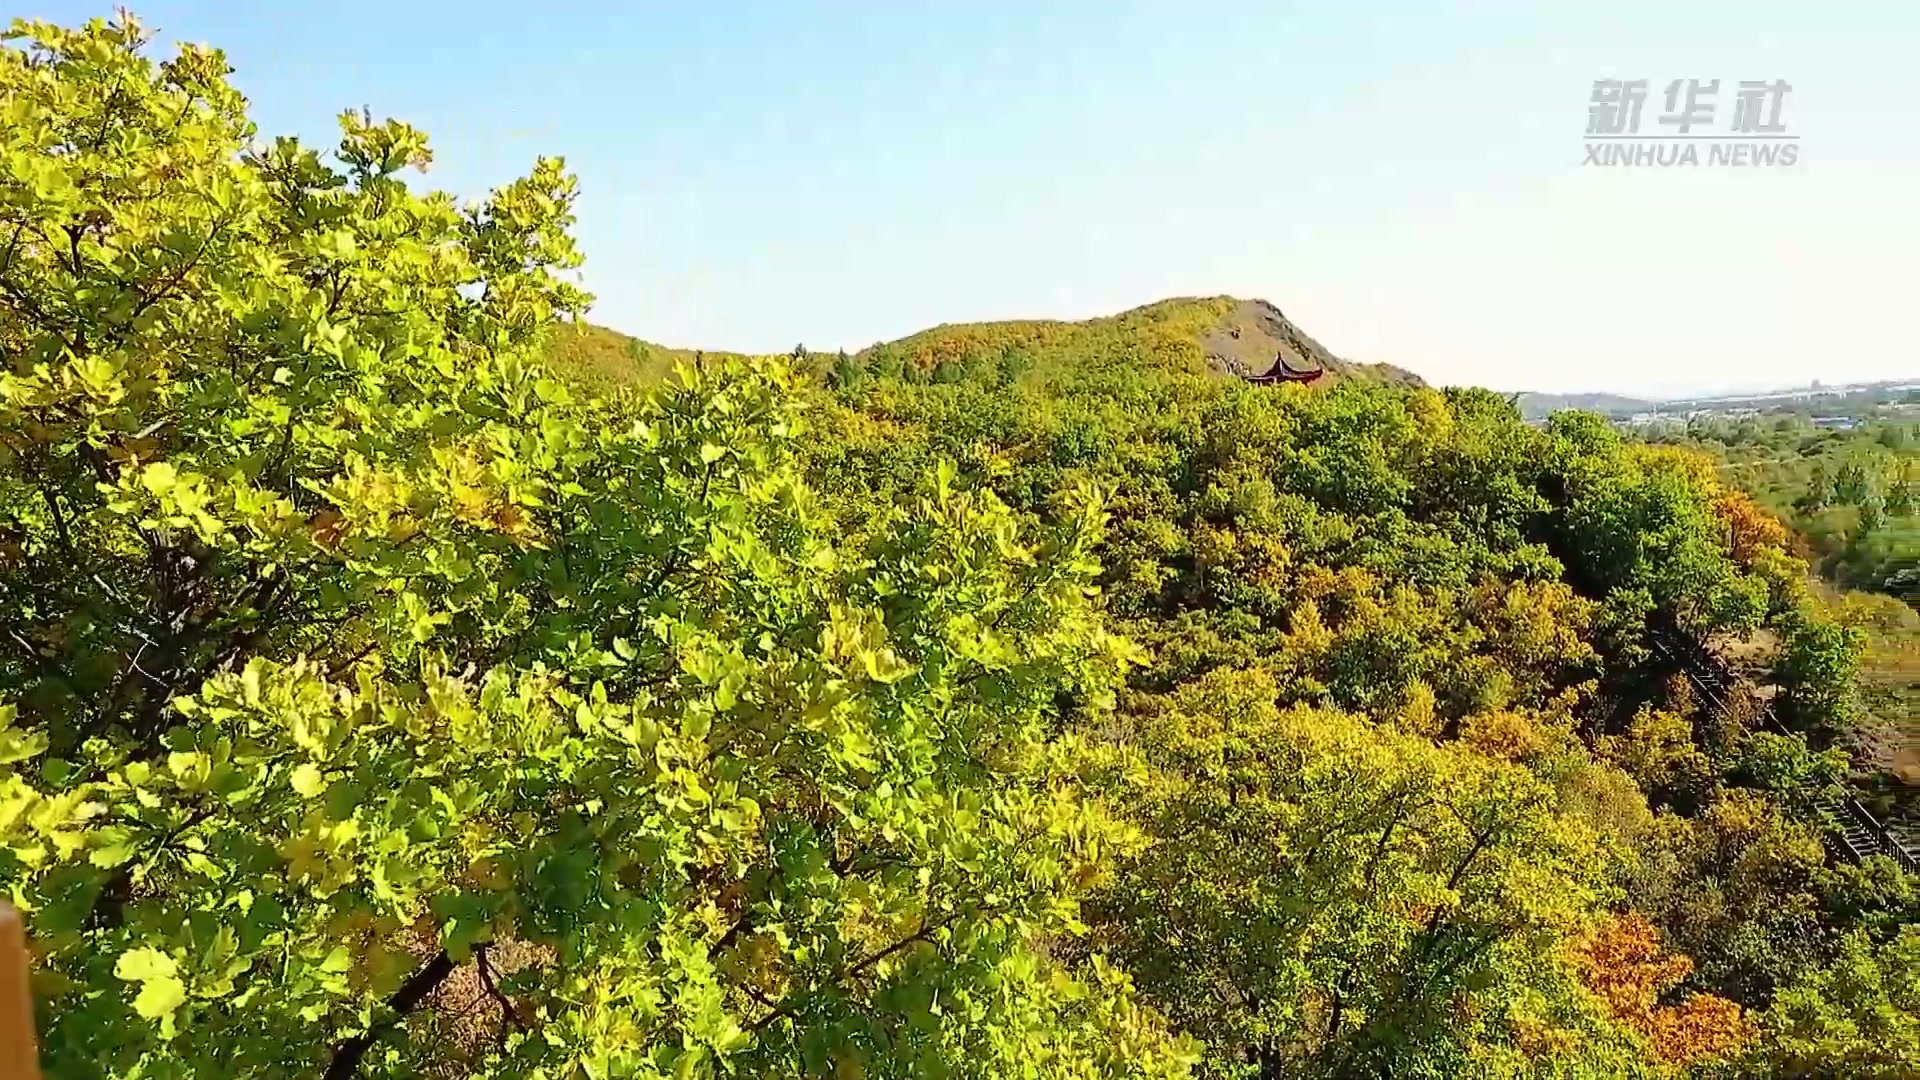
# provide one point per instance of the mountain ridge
(1221, 335)
(1540, 404)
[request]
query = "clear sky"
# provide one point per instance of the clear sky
(1404, 181)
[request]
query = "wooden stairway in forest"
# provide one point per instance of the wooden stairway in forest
(1854, 830)
(1857, 830)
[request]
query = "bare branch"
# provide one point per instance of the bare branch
(347, 1055)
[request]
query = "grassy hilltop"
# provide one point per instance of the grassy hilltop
(1220, 334)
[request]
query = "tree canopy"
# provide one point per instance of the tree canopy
(389, 689)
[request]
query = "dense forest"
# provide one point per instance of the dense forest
(1848, 499)
(1851, 495)
(401, 677)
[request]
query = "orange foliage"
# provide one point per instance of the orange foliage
(1624, 964)
(1750, 529)
(328, 526)
(1702, 1028)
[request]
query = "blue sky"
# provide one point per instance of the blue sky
(1405, 181)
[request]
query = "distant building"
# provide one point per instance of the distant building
(1836, 423)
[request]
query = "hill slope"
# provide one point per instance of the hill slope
(1222, 334)
(1535, 405)
(602, 355)
(1253, 332)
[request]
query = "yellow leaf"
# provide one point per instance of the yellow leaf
(160, 477)
(308, 781)
(141, 965)
(160, 997)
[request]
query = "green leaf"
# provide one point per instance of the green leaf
(250, 682)
(20, 745)
(112, 847)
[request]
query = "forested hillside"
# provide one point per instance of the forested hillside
(1217, 334)
(1849, 500)
(1538, 406)
(398, 680)
(1852, 495)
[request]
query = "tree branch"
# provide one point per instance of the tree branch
(508, 1015)
(346, 1056)
(740, 926)
(925, 933)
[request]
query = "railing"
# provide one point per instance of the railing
(1861, 835)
